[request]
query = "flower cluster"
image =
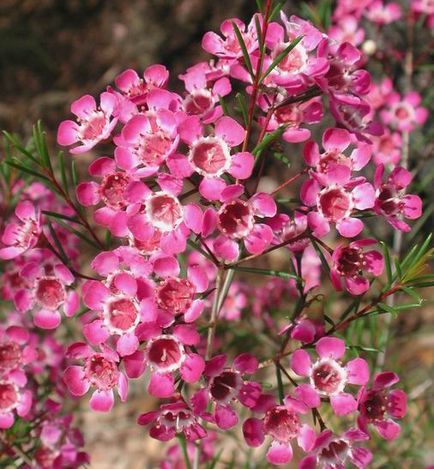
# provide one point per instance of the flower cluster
(177, 188)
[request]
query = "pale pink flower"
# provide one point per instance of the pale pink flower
(404, 114)
(387, 148)
(347, 30)
(328, 377)
(15, 350)
(23, 234)
(282, 424)
(100, 370)
(381, 14)
(93, 123)
(391, 200)
(14, 398)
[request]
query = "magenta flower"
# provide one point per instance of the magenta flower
(381, 14)
(379, 405)
(22, 235)
(328, 377)
(229, 47)
(116, 190)
(16, 349)
(236, 220)
(119, 313)
(282, 424)
(335, 142)
(147, 140)
(93, 123)
(391, 200)
(349, 263)
(166, 354)
(202, 99)
(226, 385)
(136, 88)
(335, 203)
(404, 114)
(210, 156)
(14, 399)
(347, 30)
(387, 148)
(172, 419)
(332, 451)
(100, 370)
(47, 292)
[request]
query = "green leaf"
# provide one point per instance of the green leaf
(58, 244)
(224, 106)
(74, 176)
(324, 262)
(183, 445)
(280, 57)
(212, 464)
(276, 9)
(268, 140)
(387, 263)
(78, 234)
(60, 215)
(17, 145)
(243, 107)
(27, 170)
(41, 145)
(387, 308)
(61, 159)
(260, 5)
(280, 389)
(246, 56)
(259, 32)
(272, 273)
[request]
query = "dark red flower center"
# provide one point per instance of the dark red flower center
(281, 423)
(8, 396)
(328, 377)
(10, 356)
(334, 203)
(101, 372)
(374, 405)
(350, 261)
(235, 219)
(154, 149)
(210, 156)
(112, 190)
(50, 293)
(165, 353)
(198, 103)
(93, 127)
(336, 451)
(122, 314)
(387, 200)
(164, 211)
(175, 295)
(225, 386)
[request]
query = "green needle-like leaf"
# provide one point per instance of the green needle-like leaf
(246, 56)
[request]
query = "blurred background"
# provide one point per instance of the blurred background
(53, 51)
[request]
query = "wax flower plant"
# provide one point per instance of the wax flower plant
(151, 273)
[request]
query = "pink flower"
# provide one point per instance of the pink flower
(236, 220)
(333, 451)
(387, 148)
(378, 404)
(224, 386)
(424, 7)
(15, 350)
(336, 202)
(100, 370)
(391, 200)
(235, 302)
(347, 30)
(13, 398)
(382, 14)
(404, 114)
(22, 235)
(93, 123)
(135, 88)
(47, 291)
(210, 156)
(172, 419)
(335, 142)
(166, 354)
(350, 262)
(229, 47)
(116, 190)
(202, 99)
(328, 377)
(282, 423)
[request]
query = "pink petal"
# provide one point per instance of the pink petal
(192, 368)
(161, 385)
(211, 188)
(95, 295)
(279, 453)
(135, 364)
(309, 396)
(397, 401)
(82, 106)
(95, 332)
(301, 362)
(364, 196)
(349, 227)
(105, 263)
(388, 429)
(330, 347)
(75, 380)
(358, 371)
(122, 387)
(306, 438)
(230, 131)
(102, 401)
(67, 133)
(226, 248)
(336, 139)
(225, 417)
(246, 363)
(197, 275)
(47, 319)
(258, 239)
(263, 204)
(193, 217)
(242, 165)
(385, 379)
(343, 403)
(188, 335)
(357, 285)
(215, 365)
(253, 431)
(127, 344)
